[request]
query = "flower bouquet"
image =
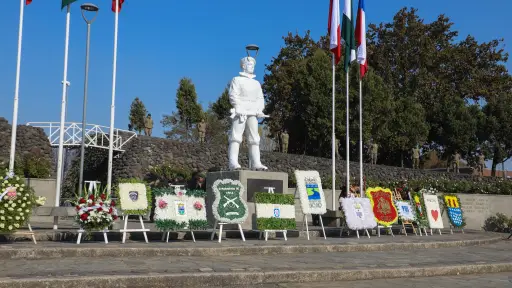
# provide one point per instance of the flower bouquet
(16, 202)
(40, 201)
(96, 212)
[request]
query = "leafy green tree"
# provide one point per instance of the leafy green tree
(137, 113)
(222, 106)
(188, 113)
(496, 129)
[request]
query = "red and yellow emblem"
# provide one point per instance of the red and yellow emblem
(383, 207)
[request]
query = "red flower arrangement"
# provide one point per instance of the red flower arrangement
(95, 212)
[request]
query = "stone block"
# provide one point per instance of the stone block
(253, 181)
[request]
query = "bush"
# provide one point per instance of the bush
(36, 166)
(163, 175)
(498, 223)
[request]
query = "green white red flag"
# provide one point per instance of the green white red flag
(66, 3)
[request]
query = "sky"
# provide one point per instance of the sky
(162, 41)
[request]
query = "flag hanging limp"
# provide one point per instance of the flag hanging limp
(66, 3)
(361, 39)
(348, 35)
(334, 29)
(120, 2)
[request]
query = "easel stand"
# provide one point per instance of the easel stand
(220, 230)
(408, 224)
(169, 232)
(266, 234)
(81, 231)
(125, 230)
(357, 231)
(385, 227)
(438, 230)
(305, 223)
(29, 233)
(424, 230)
(456, 228)
(305, 219)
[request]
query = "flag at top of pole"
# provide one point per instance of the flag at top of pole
(28, 2)
(361, 39)
(348, 35)
(66, 3)
(334, 29)
(119, 5)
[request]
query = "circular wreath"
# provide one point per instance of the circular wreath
(16, 203)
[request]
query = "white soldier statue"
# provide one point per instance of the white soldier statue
(246, 97)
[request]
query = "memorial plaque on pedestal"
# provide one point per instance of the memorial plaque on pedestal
(253, 181)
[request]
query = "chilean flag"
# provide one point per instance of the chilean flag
(334, 29)
(361, 39)
(28, 2)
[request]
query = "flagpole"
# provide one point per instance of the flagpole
(361, 186)
(62, 117)
(16, 90)
(348, 139)
(333, 132)
(112, 106)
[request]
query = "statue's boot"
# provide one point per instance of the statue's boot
(233, 149)
(254, 152)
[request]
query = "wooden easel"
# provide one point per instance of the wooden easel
(220, 230)
(398, 197)
(143, 229)
(25, 233)
(81, 231)
(305, 219)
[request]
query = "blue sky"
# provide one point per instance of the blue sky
(167, 40)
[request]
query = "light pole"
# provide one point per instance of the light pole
(87, 7)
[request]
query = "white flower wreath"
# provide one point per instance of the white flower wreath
(365, 219)
(215, 205)
(310, 206)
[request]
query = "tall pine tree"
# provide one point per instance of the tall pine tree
(137, 113)
(188, 113)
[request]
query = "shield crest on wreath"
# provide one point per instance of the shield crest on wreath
(383, 207)
(454, 210)
(229, 207)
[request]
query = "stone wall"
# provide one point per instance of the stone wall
(28, 140)
(145, 152)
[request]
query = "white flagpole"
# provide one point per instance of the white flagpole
(62, 117)
(16, 91)
(112, 106)
(333, 133)
(361, 186)
(348, 139)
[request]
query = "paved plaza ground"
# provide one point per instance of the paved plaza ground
(499, 280)
(449, 260)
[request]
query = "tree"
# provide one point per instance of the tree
(496, 129)
(188, 113)
(222, 106)
(137, 114)
(423, 62)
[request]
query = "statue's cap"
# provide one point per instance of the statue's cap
(246, 60)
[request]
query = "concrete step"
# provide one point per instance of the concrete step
(246, 270)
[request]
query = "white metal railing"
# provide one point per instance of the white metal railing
(95, 135)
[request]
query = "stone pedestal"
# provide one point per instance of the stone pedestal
(253, 181)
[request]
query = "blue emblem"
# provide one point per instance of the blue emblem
(277, 212)
(134, 195)
(455, 215)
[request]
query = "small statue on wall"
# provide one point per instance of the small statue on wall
(285, 138)
(374, 151)
(201, 129)
(416, 157)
